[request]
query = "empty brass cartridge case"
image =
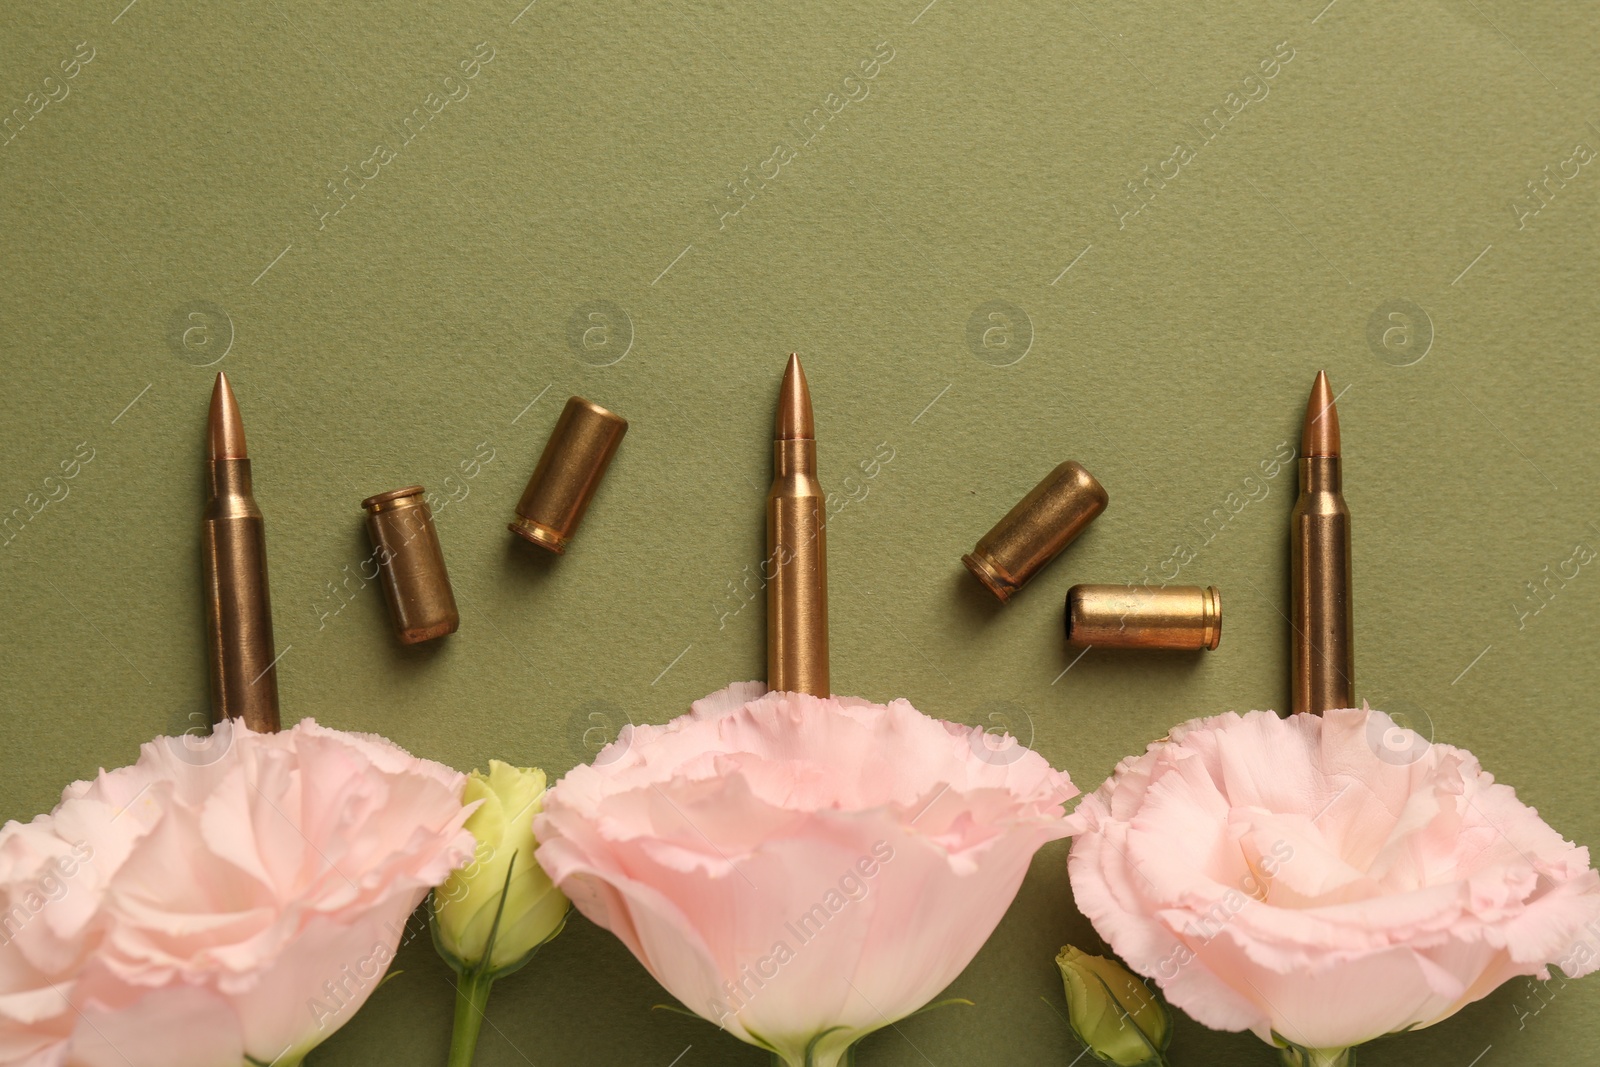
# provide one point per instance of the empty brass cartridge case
(575, 458)
(411, 565)
(1181, 617)
(1035, 531)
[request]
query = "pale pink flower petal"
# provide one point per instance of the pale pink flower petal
(1330, 879)
(247, 891)
(784, 864)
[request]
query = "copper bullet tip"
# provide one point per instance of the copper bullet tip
(1320, 436)
(794, 405)
(225, 429)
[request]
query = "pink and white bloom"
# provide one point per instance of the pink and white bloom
(801, 871)
(1323, 881)
(237, 897)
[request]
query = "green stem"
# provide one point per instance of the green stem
(472, 997)
(1295, 1056)
(847, 1058)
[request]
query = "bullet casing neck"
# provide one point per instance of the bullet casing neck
(229, 490)
(794, 455)
(1321, 474)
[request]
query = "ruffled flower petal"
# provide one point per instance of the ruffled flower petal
(1296, 876)
(248, 893)
(785, 864)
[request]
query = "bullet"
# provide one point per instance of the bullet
(411, 566)
(244, 677)
(797, 555)
(1183, 618)
(574, 460)
(1034, 532)
(1321, 637)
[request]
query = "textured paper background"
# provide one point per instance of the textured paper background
(165, 213)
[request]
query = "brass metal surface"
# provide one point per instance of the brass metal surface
(411, 565)
(574, 460)
(1321, 624)
(1035, 531)
(1179, 617)
(244, 678)
(797, 557)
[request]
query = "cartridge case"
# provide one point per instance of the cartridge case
(239, 646)
(1035, 531)
(411, 567)
(1321, 635)
(1179, 617)
(797, 562)
(575, 458)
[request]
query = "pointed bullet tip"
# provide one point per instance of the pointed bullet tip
(1320, 434)
(794, 403)
(225, 427)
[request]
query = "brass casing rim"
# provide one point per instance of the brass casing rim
(393, 498)
(419, 634)
(1001, 586)
(1213, 598)
(605, 413)
(537, 533)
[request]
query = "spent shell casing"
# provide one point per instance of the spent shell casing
(1035, 531)
(1178, 617)
(411, 567)
(574, 460)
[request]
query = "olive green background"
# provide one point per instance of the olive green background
(164, 215)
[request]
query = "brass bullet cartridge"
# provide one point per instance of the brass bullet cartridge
(233, 548)
(1321, 626)
(1180, 617)
(575, 458)
(411, 565)
(797, 554)
(1035, 531)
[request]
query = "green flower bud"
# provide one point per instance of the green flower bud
(1112, 1011)
(490, 915)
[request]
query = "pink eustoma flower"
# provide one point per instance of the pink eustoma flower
(801, 871)
(1323, 881)
(234, 896)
